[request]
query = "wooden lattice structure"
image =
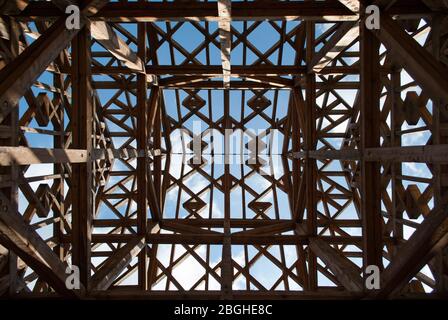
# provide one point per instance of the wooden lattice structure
(95, 124)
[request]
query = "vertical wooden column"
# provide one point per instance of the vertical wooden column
(440, 121)
(152, 39)
(12, 171)
(310, 164)
(157, 145)
(58, 184)
(395, 141)
(157, 140)
(227, 268)
(14, 121)
(142, 162)
(82, 128)
(153, 197)
(295, 137)
(370, 138)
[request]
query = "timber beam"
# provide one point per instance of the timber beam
(370, 118)
(345, 35)
(178, 11)
(225, 36)
(27, 156)
(347, 273)
(198, 239)
(422, 154)
(19, 75)
(103, 33)
(426, 240)
(421, 65)
(20, 238)
(115, 265)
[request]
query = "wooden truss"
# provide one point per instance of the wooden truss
(96, 130)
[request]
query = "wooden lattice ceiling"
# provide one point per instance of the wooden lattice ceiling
(96, 123)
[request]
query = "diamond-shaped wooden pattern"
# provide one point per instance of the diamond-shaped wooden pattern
(411, 108)
(260, 206)
(194, 205)
(43, 195)
(259, 102)
(193, 102)
(233, 181)
(43, 106)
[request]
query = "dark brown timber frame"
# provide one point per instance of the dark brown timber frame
(112, 99)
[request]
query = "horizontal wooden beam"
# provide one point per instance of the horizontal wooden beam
(424, 154)
(215, 70)
(219, 223)
(191, 11)
(192, 239)
(286, 84)
(239, 85)
(277, 228)
(236, 71)
(428, 154)
(263, 10)
(346, 154)
(27, 156)
(184, 227)
(219, 239)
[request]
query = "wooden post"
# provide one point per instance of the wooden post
(310, 164)
(142, 163)
(370, 138)
(82, 128)
(440, 120)
(12, 171)
(227, 267)
(58, 185)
